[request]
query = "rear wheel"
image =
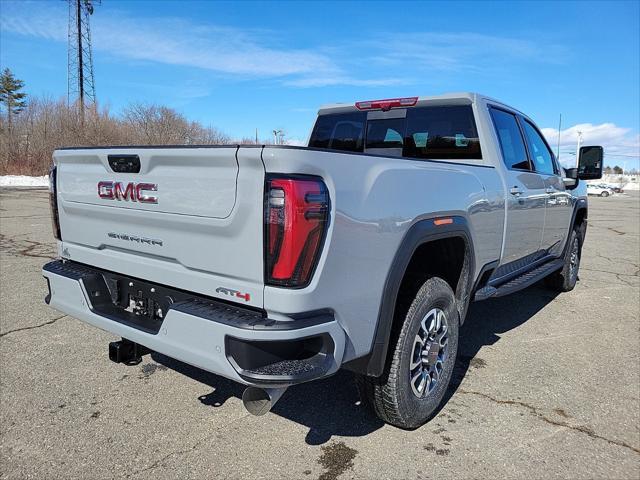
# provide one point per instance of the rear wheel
(604, 193)
(423, 357)
(564, 280)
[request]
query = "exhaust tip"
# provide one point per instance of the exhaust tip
(259, 401)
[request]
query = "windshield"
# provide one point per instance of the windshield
(439, 132)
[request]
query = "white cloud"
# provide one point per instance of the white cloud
(51, 26)
(173, 41)
(326, 80)
(620, 144)
(244, 53)
(460, 51)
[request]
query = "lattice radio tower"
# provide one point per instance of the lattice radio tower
(81, 85)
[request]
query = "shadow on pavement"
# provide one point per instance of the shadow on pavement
(331, 406)
(489, 318)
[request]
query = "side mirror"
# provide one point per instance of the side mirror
(570, 178)
(590, 163)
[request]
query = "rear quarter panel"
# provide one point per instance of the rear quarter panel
(374, 201)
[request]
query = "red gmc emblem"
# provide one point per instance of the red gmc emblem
(134, 192)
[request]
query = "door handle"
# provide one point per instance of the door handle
(515, 191)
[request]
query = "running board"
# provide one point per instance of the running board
(518, 283)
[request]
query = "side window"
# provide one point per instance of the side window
(447, 132)
(511, 143)
(540, 155)
(339, 131)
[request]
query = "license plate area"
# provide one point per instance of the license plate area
(136, 303)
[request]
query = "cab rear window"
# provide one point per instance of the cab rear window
(438, 132)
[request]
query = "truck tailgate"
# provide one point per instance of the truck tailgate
(195, 223)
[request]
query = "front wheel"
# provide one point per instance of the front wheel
(423, 357)
(564, 280)
(604, 194)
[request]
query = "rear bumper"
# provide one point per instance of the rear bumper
(239, 344)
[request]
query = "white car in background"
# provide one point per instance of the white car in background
(599, 190)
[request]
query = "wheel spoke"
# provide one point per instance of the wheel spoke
(434, 371)
(429, 382)
(416, 353)
(414, 379)
(440, 318)
(429, 321)
(443, 332)
(423, 382)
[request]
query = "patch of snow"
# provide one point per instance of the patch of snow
(23, 181)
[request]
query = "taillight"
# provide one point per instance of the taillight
(53, 202)
(296, 220)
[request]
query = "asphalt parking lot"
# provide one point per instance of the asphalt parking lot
(546, 386)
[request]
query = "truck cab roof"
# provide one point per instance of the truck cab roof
(454, 98)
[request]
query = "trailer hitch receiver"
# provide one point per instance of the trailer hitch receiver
(127, 352)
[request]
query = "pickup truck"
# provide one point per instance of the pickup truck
(277, 265)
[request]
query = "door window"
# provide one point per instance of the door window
(443, 132)
(540, 154)
(511, 143)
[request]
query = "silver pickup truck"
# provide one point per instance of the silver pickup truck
(276, 265)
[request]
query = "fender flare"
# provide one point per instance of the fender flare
(419, 233)
(581, 204)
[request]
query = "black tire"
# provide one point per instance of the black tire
(564, 280)
(391, 395)
(604, 193)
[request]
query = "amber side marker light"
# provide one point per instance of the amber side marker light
(442, 221)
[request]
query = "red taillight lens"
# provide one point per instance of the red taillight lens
(296, 219)
(53, 202)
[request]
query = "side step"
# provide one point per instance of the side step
(518, 283)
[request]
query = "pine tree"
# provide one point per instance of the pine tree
(10, 96)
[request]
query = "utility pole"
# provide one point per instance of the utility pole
(80, 59)
(256, 136)
(578, 148)
(559, 130)
(80, 79)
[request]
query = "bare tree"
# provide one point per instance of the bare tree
(45, 124)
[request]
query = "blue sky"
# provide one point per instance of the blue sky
(240, 66)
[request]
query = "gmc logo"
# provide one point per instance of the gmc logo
(134, 192)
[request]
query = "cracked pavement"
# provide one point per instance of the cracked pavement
(546, 386)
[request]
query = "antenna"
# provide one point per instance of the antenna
(81, 86)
